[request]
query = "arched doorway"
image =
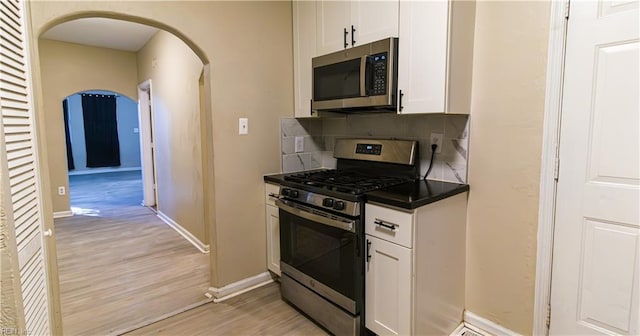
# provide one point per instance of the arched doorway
(103, 150)
(118, 271)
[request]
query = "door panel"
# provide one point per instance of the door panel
(595, 285)
(614, 124)
(20, 171)
(388, 288)
(332, 17)
(604, 300)
(374, 20)
(422, 55)
(273, 239)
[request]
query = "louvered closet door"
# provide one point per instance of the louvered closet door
(20, 161)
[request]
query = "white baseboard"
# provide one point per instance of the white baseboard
(474, 321)
(184, 233)
(239, 287)
(102, 170)
(62, 214)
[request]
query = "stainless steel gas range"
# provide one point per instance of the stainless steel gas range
(322, 246)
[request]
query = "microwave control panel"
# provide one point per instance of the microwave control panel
(379, 86)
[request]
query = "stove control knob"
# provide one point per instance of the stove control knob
(339, 205)
(293, 194)
(328, 202)
(286, 192)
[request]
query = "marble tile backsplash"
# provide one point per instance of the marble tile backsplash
(313, 154)
(320, 135)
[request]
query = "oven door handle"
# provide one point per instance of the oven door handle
(343, 224)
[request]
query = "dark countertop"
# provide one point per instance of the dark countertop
(415, 194)
(409, 195)
(275, 178)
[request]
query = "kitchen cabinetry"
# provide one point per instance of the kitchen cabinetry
(415, 267)
(435, 56)
(273, 228)
(319, 28)
(388, 288)
(304, 49)
(344, 24)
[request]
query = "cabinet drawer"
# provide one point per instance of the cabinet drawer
(270, 189)
(388, 224)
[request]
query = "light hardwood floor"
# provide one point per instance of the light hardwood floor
(258, 312)
(120, 267)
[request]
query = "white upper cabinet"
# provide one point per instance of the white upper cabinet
(304, 49)
(332, 18)
(374, 20)
(435, 56)
(345, 24)
(422, 55)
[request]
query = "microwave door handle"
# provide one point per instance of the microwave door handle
(364, 76)
(368, 76)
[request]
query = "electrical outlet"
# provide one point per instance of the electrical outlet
(61, 191)
(243, 126)
(299, 144)
(436, 139)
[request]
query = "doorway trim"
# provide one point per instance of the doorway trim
(147, 140)
(549, 165)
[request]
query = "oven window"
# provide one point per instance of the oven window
(325, 253)
(337, 81)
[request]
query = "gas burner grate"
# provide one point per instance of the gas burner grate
(345, 181)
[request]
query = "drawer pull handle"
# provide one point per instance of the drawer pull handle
(387, 225)
(274, 195)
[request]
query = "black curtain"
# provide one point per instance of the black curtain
(67, 135)
(101, 130)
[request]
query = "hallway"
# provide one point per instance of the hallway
(120, 266)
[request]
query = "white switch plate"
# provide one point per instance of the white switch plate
(243, 126)
(436, 138)
(61, 191)
(299, 144)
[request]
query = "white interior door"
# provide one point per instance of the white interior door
(596, 258)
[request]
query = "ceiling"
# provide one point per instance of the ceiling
(102, 32)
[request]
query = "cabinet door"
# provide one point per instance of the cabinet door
(422, 56)
(273, 239)
(332, 18)
(304, 49)
(388, 288)
(373, 20)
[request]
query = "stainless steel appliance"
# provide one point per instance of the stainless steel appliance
(362, 78)
(322, 247)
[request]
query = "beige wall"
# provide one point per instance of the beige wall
(249, 46)
(174, 71)
(504, 163)
(69, 68)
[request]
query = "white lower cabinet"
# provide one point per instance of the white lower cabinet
(414, 282)
(273, 240)
(273, 228)
(388, 290)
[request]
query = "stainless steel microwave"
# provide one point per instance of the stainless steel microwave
(359, 79)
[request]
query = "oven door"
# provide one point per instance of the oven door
(321, 251)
